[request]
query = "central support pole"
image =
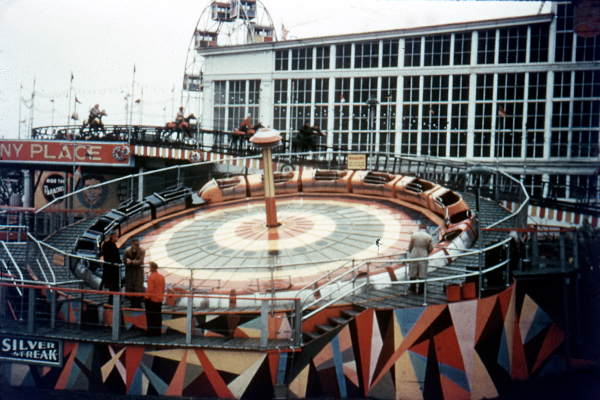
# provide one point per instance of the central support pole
(269, 189)
(266, 139)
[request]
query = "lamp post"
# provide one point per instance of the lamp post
(266, 139)
(479, 171)
(372, 103)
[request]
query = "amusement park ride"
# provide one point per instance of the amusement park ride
(232, 23)
(287, 272)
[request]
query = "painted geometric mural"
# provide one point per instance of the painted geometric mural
(463, 350)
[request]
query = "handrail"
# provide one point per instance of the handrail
(12, 259)
(406, 262)
(6, 267)
(305, 317)
(45, 258)
(523, 204)
(339, 277)
(65, 196)
(29, 284)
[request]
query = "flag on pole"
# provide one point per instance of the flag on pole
(138, 101)
(78, 172)
(431, 111)
(501, 112)
(76, 100)
(285, 32)
(342, 99)
(134, 68)
(71, 76)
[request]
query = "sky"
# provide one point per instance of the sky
(99, 43)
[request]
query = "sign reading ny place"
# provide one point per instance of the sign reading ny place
(31, 350)
(52, 152)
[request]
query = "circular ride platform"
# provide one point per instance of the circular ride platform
(228, 246)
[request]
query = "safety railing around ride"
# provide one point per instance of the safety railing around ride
(57, 308)
(585, 199)
(41, 306)
(331, 294)
(355, 276)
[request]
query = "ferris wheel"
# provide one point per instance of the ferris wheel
(223, 23)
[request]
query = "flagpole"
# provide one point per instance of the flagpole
(141, 106)
(69, 115)
(32, 109)
(20, 103)
(132, 101)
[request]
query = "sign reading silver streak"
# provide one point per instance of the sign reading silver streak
(32, 350)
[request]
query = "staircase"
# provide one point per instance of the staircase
(332, 323)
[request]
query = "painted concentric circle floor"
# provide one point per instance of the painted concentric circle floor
(228, 246)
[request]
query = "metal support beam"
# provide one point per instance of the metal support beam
(264, 323)
(80, 317)
(116, 320)
(297, 322)
(3, 300)
(189, 324)
(53, 298)
(576, 290)
(31, 311)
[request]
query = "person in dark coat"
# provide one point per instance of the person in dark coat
(308, 136)
(111, 272)
(133, 258)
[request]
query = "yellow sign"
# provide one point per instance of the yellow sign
(357, 161)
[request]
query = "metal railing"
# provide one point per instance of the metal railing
(442, 171)
(40, 295)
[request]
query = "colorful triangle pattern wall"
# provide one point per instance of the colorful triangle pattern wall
(464, 350)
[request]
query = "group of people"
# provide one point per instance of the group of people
(133, 259)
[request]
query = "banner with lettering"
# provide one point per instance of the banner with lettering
(62, 152)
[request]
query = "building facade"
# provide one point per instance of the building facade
(522, 92)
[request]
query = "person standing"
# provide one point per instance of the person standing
(133, 258)
(111, 270)
(154, 298)
(421, 244)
